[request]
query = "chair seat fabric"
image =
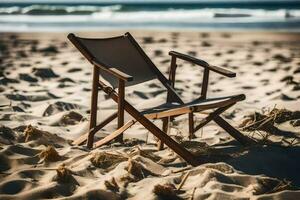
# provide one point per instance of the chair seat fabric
(210, 103)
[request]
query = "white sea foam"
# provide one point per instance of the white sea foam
(116, 16)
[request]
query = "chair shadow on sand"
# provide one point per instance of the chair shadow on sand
(270, 160)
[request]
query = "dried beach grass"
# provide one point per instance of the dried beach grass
(31, 133)
(145, 153)
(166, 191)
(112, 185)
(266, 121)
(106, 160)
(63, 174)
(268, 186)
(49, 154)
(137, 170)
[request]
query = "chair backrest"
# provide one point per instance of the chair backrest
(125, 54)
(120, 52)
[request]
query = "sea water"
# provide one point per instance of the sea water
(58, 15)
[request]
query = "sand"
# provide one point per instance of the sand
(45, 87)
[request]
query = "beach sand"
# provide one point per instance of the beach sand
(45, 87)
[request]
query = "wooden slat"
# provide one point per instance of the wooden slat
(168, 113)
(114, 135)
(202, 63)
(84, 137)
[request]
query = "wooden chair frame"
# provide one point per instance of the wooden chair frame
(166, 115)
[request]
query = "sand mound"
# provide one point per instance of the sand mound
(44, 73)
(137, 170)
(60, 106)
(71, 118)
(107, 160)
(49, 154)
(167, 191)
(39, 137)
(63, 175)
(7, 135)
(5, 81)
(28, 78)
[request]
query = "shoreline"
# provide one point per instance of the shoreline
(156, 29)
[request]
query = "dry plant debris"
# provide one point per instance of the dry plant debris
(106, 160)
(112, 185)
(49, 154)
(63, 174)
(267, 120)
(268, 186)
(166, 191)
(31, 133)
(137, 170)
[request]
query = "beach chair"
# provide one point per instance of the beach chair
(121, 62)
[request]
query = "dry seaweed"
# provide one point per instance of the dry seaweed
(167, 191)
(137, 170)
(267, 120)
(31, 133)
(49, 154)
(112, 185)
(63, 174)
(295, 122)
(268, 186)
(185, 177)
(106, 160)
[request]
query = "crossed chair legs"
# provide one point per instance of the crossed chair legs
(162, 134)
(144, 119)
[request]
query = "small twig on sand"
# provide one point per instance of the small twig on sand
(183, 180)
(181, 170)
(193, 193)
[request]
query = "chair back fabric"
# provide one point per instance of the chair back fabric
(118, 52)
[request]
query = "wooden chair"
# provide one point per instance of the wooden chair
(122, 62)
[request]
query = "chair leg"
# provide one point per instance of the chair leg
(121, 96)
(165, 128)
(191, 125)
(94, 103)
(211, 117)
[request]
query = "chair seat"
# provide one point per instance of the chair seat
(198, 104)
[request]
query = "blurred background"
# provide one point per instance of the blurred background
(84, 15)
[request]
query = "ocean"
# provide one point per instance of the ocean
(76, 15)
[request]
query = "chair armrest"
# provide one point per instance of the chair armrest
(202, 63)
(113, 71)
(222, 71)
